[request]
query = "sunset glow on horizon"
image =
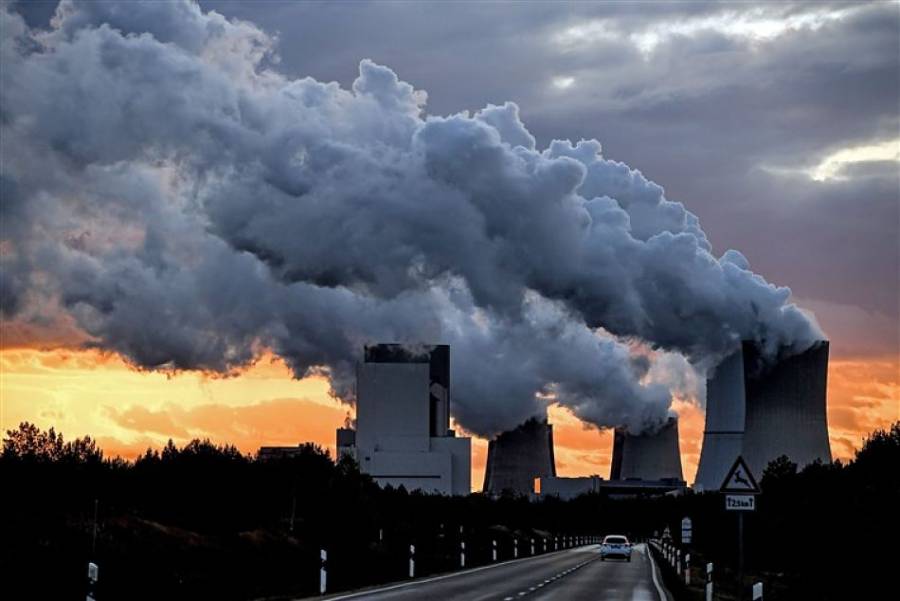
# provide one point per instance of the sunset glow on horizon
(86, 392)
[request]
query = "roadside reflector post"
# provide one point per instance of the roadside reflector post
(532, 546)
(687, 569)
(412, 561)
(709, 582)
(515, 548)
(555, 543)
(493, 550)
(543, 545)
(678, 560)
(323, 571)
(93, 572)
(462, 554)
(758, 591)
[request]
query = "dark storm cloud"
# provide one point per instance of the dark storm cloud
(702, 112)
(189, 205)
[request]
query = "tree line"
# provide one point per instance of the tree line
(203, 520)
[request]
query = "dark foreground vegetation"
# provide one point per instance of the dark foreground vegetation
(204, 521)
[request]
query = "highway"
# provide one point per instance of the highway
(570, 575)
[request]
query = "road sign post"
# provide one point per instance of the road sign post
(323, 571)
(687, 528)
(740, 490)
(93, 572)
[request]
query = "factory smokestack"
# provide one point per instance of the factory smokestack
(517, 457)
(762, 410)
(785, 410)
(647, 456)
(723, 436)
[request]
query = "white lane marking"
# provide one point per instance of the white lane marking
(659, 590)
(436, 578)
(507, 599)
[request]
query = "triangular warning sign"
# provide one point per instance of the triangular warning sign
(740, 479)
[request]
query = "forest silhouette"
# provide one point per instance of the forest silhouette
(204, 520)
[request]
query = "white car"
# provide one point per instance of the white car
(615, 545)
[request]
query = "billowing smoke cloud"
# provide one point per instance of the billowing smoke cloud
(190, 207)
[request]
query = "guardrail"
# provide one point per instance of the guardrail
(678, 572)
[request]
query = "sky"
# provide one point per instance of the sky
(775, 124)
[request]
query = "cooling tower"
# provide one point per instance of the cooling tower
(649, 456)
(785, 412)
(517, 457)
(723, 435)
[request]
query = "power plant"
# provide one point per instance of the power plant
(643, 464)
(723, 434)
(403, 435)
(517, 457)
(647, 456)
(785, 412)
(764, 410)
(755, 408)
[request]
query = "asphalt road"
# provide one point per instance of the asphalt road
(571, 575)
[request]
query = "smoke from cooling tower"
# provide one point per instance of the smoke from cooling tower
(187, 206)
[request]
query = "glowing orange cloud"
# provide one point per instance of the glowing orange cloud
(89, 392)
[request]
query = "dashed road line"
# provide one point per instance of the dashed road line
(551, 579)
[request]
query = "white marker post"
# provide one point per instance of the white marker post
(757, 591)
(515, 548)
(323, 571)
(93, 571)
(556, 543)
(532, 546)
(709, 582)
(462, 554)
(412, 561)
(687, 569)
(493, 550)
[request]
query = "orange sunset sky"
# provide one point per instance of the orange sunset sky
(196, 187)
(82, 392)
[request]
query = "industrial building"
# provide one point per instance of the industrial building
(569, 488)
(652, 456)
(762, 410)
(403, 435)
(517, 457)
(723, 434)
(785, 412)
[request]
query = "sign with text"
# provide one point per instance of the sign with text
(686, 531)
(740, 502)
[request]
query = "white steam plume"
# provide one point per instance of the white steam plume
(190, 207)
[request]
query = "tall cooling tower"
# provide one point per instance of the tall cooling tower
(517, 457)
(785, 412)
(723, 435)
(650, 456)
